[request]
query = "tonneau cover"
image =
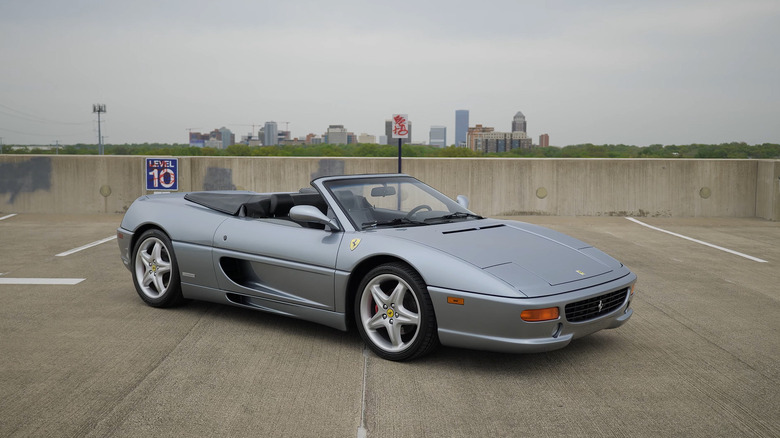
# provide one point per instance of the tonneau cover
(229, 203)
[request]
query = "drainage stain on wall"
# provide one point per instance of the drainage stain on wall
(329, 168)
(25, 177)
(218, 178)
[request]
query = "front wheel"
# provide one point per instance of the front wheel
(394, 313)
(155, 271)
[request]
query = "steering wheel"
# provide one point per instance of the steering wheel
(416, 209)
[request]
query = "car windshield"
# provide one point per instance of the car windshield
(394, 201)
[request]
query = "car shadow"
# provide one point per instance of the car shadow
(270, 322)
(598, 346)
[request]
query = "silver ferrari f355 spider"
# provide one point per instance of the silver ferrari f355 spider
(406, 265)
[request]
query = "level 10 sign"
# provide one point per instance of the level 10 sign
(162, 174)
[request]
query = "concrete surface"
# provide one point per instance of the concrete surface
(700, 357)
(557, 187)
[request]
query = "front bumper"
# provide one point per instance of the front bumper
(492, 323)
(124, 239)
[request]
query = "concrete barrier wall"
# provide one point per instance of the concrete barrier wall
(768, 190)
(566, 187)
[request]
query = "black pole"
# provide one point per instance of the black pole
(399, 155)
(100, 137)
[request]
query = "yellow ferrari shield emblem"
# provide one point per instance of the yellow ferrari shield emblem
(354, 244)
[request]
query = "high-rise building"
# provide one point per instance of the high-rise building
(505, 141)
(461, 127)
(438, 136)
(198, 140)
(292, 142)
(227, 137)
(544, 140)
(218, 139)
(389, 133)
(366, 138)
(336, 135)
(314, 139)
(473, 140)
(486, 140)
(270, 134)
(518, 123)
(251, 140)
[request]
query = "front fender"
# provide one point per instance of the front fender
(437, 268)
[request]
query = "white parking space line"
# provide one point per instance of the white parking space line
(89, 245)
(44, 281)
(749, 257)
(7, 216)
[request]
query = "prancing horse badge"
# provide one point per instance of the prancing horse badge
(354, 244)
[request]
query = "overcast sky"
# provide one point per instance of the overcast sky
(603, 72)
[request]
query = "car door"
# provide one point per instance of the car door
(277, 260)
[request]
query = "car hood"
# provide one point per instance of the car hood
(532, 259)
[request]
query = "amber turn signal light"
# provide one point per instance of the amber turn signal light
(536, 315)
(456, 300)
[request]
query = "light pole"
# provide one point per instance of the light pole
(99, 108)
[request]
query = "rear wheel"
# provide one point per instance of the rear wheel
(394, 313)
(155, 271)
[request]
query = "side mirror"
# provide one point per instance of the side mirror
(463, 201)
(310, 213)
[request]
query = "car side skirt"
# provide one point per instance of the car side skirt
(325, 317)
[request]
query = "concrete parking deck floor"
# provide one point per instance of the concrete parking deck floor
(699, 358)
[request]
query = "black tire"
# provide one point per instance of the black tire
(155, 271)
(394, 313)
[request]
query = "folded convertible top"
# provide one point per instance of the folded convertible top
(256, 205)
(229, 203)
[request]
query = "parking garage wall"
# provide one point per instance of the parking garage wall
(564, 187)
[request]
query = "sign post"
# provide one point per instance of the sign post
(162, 174)
(400, 131)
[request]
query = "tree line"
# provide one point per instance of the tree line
(587, 150)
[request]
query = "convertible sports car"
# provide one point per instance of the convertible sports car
(408, 266)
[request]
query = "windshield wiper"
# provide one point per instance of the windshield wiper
(456, 215)
(392, 223)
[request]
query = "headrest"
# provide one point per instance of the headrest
(281, 203)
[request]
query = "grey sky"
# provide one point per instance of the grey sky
(633, 72)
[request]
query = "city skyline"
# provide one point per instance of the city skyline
(605, 72)
(339, 134)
